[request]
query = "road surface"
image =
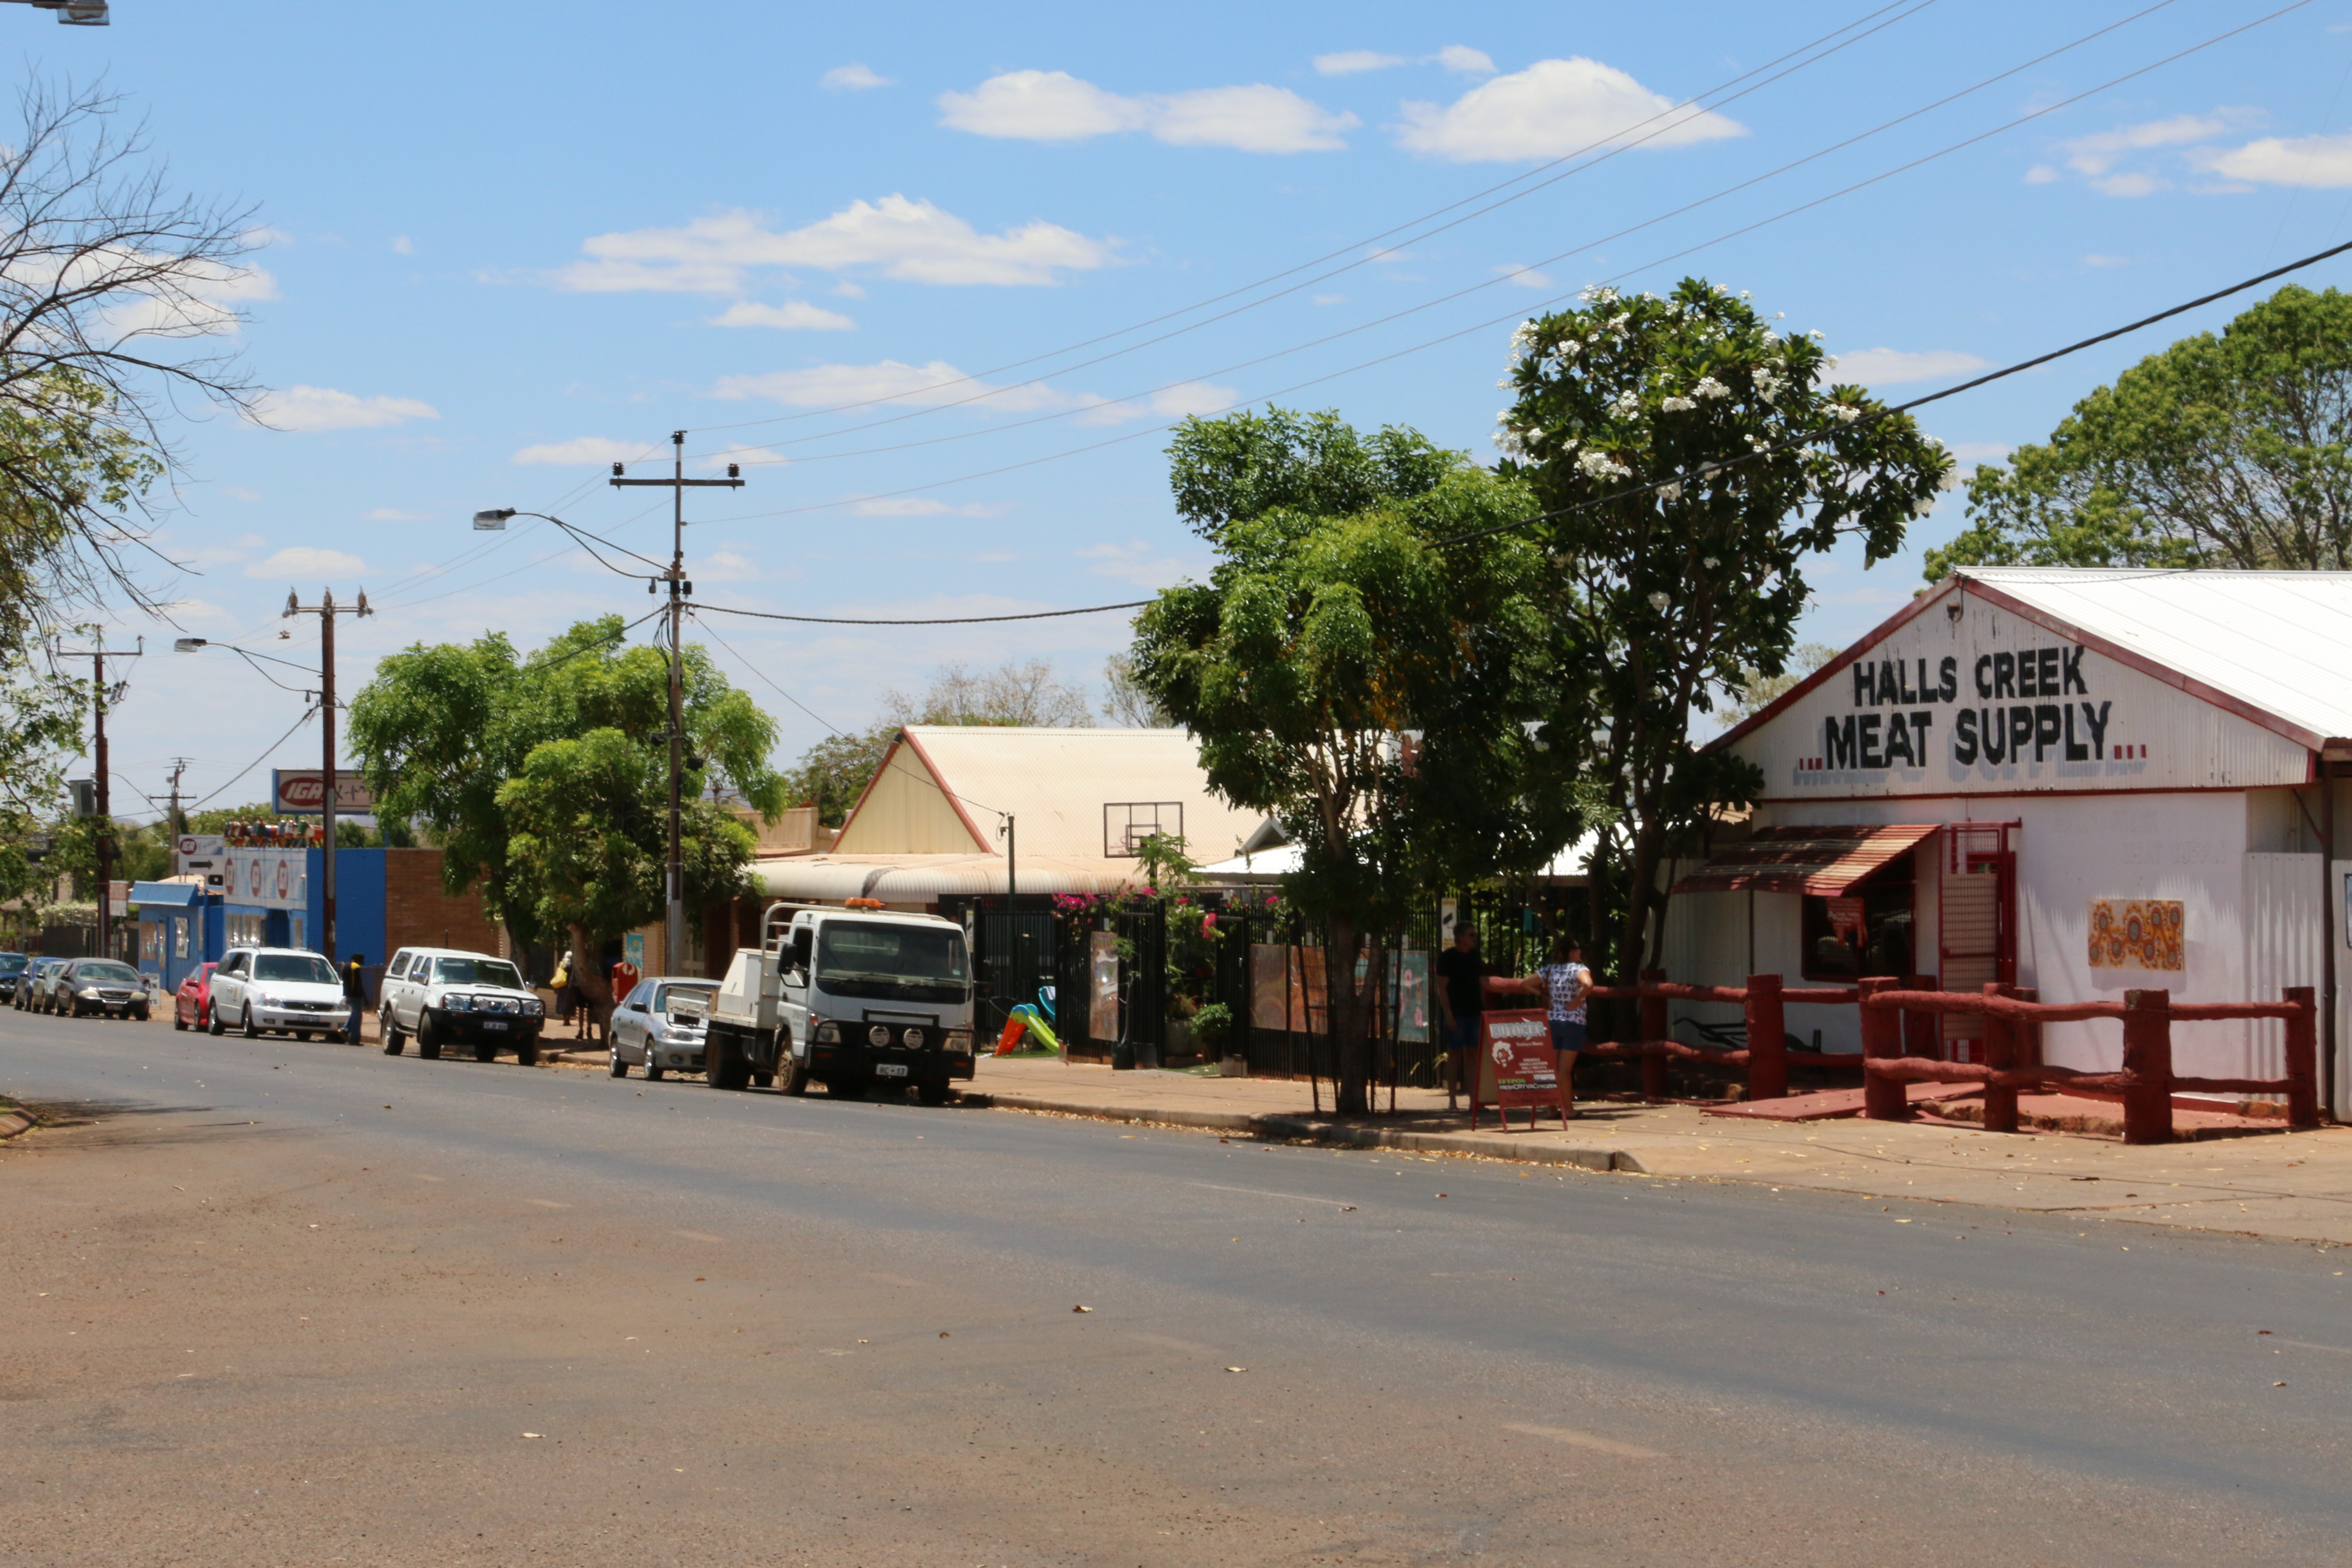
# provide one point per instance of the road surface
(267, 1302)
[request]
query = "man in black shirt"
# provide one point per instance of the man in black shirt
(1460, 1001)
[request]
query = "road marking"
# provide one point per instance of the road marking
(697, 1235)
(547, 1202)
(1584, 1440)
(2307, 1345)
(1262, 1193)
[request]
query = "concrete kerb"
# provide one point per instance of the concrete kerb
(1301, 1129)
(16, 1119)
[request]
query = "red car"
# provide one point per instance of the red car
(192, 1003)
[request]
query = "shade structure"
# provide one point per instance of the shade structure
(1825, 861)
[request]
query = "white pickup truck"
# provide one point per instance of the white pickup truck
(848, 998)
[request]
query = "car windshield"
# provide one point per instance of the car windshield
(692, 1000)
(475, 971)
(308, 966)
(917, 955)
(108, 974)
(13, 963)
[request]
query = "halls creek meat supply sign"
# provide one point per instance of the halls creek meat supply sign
(1990, 701)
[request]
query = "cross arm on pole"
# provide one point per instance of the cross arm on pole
(689, 484)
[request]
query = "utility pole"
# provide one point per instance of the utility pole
(179, 823)
(674, 926)
(326, 609)
(105, 809)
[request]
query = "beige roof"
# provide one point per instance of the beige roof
(919, 880)
(946, 789)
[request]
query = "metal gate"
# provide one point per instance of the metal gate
(1976, 920)
(1016, 956)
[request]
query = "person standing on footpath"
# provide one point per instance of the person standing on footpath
(1567, 986)
(355, 995)
(567, 996)
(1461, 1001)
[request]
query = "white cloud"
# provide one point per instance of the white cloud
(848, 290)
(1892, 367)
(1348, 62)
(793, 315)
(1134, 562)
(891, 382)
(1552, 108)
(2041, 174)
(2096, 154)
(307, 561)
(2131, 184)
(1968, 452)
(2323, 162)
(394, 514)
(1177, 402)
(1330, 298)
(324, 408)
(594, 449)
(852, 77)
(2097, 260)
(727, 566)
(238, 493)
(1464, 58)
(402, 245)
(919, 506)
(1525, 277)
(749, 457)
(210, 303)
(911, 240)
(1055, 106)
(196, 610)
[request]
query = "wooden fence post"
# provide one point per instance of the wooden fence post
(1654, 1026)
(1923, 1033)
(2001, 1055)
(2302, 1059)
(1883, 1099)
(1768, 1040)
(2148, 1057)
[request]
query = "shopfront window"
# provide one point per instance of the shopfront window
(1867, 930)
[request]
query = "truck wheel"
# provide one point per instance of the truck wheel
(390, 1030)
(527, 1053)
(763, 1080)
(723, 1063)
(845, 1088)
(933, 1093)
(428, 1037)
(791, 1075)
(486, 1052)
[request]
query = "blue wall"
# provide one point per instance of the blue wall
(359, 903)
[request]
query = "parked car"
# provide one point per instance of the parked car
(42, 992)
(105, 986)
(14, 967)
(192, 1005)
(659, 1026)
(280, 990)
(444, 996)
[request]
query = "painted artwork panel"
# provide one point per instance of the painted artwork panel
(2139, 934)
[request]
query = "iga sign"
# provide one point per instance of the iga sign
(302, 791)
(198, 852)
(1989, 701)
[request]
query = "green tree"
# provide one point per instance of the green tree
(1690, 460)
(1364, 674)
(834, 773)
(545, 780)
(2231, 451)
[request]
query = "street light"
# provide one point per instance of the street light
(73, 12)
(493, 521)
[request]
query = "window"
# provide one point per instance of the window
(399, 965)
(179, 937)
(105, 972)
(235, 963)
(688, 999)
(475, 971)
(307, 967)
(1865, 931)
(641, 998)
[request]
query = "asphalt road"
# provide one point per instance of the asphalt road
(267, 1302)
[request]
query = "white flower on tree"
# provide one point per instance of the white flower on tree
(1601, 465)
(1659, 601)
(1672, 491)
(1768, 383)
(1677, 404)
(1628, 404)
(1709, 388)
(1844, 412)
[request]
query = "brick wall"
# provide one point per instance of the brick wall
(417, 914)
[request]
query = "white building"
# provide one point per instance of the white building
(2080, 781)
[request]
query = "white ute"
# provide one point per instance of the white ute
(846, 997)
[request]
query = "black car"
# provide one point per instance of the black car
(14, 967)
(102, 986)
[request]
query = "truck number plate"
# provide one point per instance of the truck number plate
(890, 1069)
(494, 1023)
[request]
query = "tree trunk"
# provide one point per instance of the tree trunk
(1640, 892)
(1347, 1017)
(588, 973)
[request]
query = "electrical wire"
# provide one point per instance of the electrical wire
(1693, 102)
(308, 713)
(1555, 300)
(938, 621)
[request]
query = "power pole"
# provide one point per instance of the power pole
(179, 823)
(326, 609)
(674, 927)
(105, 808)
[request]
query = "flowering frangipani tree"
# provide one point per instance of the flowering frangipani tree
(1693, 455)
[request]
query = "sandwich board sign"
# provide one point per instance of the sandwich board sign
(1516, 1068)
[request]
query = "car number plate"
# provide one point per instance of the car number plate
(494, 1023)
(890, 1069)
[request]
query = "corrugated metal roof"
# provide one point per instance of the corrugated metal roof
(2280, 642)
(1056, 783)
(1266, 865)
(921, 879)
(1824, 861)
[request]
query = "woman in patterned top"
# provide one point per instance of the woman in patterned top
(1566, 986)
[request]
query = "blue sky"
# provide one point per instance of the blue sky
(507, 244)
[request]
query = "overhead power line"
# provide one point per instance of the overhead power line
(932, 621)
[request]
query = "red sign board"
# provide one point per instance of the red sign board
(1516, 1068)
(302, 791)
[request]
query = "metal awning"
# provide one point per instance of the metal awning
(1824, 861)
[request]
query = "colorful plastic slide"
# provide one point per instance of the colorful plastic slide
(1025, 1019)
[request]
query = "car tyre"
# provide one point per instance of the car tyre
(303, 1036)
(931, 1093)
(486, 1052)
(653, 1069)
(213, 1024)
(527, 1053)
(763, 1080)
(178, 1022)
(390, 1030)
(620, 1067)
(142, 1014)
(429, 1038)
(252, 1029)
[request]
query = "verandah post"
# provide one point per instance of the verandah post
(2148, 1057)
(2303, 1058)
(1768, 1040)
(2001, 1055)
(1654, 1026)
(1883, 1099)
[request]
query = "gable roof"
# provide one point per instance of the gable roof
(1054, 782)
(2273, 648)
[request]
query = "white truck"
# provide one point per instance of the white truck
(848, 997)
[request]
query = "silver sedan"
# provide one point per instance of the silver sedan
(659, 1024)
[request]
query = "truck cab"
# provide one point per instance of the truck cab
(848, 997)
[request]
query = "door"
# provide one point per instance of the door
(1976, 922)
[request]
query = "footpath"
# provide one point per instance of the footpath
(2290, 1186)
